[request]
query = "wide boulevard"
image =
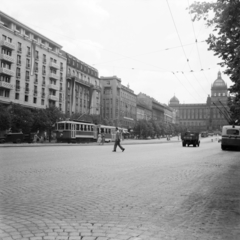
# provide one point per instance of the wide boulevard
(149, 191)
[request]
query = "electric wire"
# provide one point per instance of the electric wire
(182, 44)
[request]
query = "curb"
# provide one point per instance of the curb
(81, 144)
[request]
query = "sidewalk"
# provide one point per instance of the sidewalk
(124, 142)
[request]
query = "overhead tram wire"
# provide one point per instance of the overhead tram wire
(181, 41)
(67, 36)
(124, 57)
(161, 50)
(190, 83)
(184, 86)
(196, 41)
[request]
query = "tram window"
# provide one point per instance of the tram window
(232, 132)
(77, 128)
(81, 127)
(60, 126)
(92, 128)
(67, 126)
(85, 127)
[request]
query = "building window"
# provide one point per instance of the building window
(219, 94)
(35, 100)
(26, 98)
(44, 59)
(18, 74)
(19, 47)
(28, 63)
(28, 51)
(37, 56)
(17, 96)
(42, 102)
(18, 60)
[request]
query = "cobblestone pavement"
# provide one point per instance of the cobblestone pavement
(148, 192)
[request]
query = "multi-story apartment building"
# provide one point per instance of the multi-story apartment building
(82, 87)
(209, 116)
(169, 114)
(157, 111)
(144, 107)
(32, 69)
(118, 102)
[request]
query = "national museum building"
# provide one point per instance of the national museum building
(209, 116)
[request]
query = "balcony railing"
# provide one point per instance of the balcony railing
(44, 61)
(27, 79)
(43, 84)
(52, 86)
(35, 93)
(37, 58)
(7, 44)
(6, 58)
(19, 63)
(28, 54)
(44, 73)
(18, 75)
(19, 50)
(43, 95)
(7, 71)
(27, 90)
(54, 76)
(35, 81)
(6, 85)
(53, 98)
(54, 65)
(27, 66)
(36, 69)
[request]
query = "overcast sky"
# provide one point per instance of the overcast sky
(128, 39)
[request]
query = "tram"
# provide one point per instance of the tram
(77, 132)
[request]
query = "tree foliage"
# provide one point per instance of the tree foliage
(224, 41)
(4, 118)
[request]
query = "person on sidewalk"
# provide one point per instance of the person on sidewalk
(117, 141)
(103, 138)
(99, 139)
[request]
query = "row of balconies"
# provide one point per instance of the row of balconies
(7, 44)
(7, 58)
(11, 73)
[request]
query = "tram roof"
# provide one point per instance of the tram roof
(84, 122)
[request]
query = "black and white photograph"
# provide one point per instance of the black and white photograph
(119, 120)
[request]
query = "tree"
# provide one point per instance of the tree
(21, 118)
(5, 118)
(224, 41)
(40, 120)
(53, 115)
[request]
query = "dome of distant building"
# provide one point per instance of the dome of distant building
(219, 83)
(174, 100)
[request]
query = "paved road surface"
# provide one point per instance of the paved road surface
(150, 191)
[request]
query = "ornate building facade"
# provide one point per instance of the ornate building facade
(82, 87)
(209, 116)
(119, 103)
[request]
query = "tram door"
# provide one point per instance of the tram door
(73, 130)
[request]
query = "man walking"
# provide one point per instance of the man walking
(117, 141)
